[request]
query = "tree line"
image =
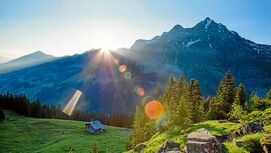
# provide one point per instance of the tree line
(23, 106)
(184, 105)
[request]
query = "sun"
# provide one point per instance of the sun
(105, 50)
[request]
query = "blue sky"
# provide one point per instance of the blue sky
(65, 27)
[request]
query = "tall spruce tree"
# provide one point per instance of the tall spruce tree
(168, 90)
(184, 107)
(268, 95)
(224, 98)
(240, 96)
(250, 103)
(142, 127)
(169, 99)
(196, 100)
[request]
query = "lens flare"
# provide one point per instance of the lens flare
(127, 75)
(154, 110)
(162, 121)
(72, 103)
(140, 92)
(147, 99)
(122, 68)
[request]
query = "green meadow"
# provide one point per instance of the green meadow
(20, 134)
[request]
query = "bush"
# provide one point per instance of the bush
(237, 112)
(95, 148)
(261, 117)
(2, 114)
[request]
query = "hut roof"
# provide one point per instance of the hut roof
(96, 124)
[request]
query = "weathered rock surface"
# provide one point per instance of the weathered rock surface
(223, 137)
(202, 141)
(247, 128)
(139, 147)
(169, 147)
(266, 143)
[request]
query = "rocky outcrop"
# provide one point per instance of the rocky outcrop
(223, 137)
(169, 147)
(139, 147)
(247, 128)
(266, 143)
(202, 141)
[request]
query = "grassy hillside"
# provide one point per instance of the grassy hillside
(22, 134)
(179, 135)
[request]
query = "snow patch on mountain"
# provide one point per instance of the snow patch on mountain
(209, 21)
(192, 42)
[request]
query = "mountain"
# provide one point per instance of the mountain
(204, 52)
(26, 61)
(3, 59)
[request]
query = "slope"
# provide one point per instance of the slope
(22, 134)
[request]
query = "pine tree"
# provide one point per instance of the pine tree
(142, 127)
(168, 90)
(237, 112)
(268, 95)
(2, 114)
(240, 96)
(184, 107)
(250, 103)
(224, 98)
(182, 84)
(196, 100)
(184, 112)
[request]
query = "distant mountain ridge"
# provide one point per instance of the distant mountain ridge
(204, 52)
(3, 59)
(32, 59)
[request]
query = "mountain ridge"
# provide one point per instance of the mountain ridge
(25, 61)
(195, 52)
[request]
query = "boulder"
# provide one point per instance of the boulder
(247, 128)
(202, 141)
(169, 147)
(139, 147)
(266, 143)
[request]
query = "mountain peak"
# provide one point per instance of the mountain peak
(37, 53)
(177, 27)
(207, 19)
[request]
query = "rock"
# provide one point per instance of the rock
(139, 147)
(234, 121)
(247, 128)
(222, 121)
(239, 143)
(202, 141)
(223, 137)
(169, 147)
(266, 143)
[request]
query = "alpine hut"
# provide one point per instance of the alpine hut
(94, 127)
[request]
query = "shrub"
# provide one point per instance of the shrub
(262, 117)
(95, 148)
(237, 112)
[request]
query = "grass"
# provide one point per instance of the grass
(179, 135)
(23, 134)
